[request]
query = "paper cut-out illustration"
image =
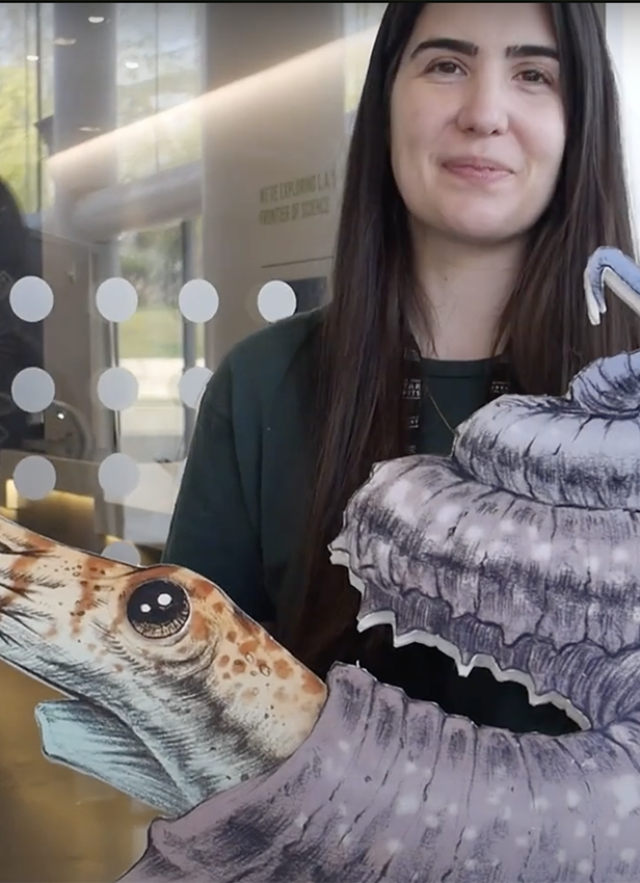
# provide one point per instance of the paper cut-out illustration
(174, 694)
(519, 553)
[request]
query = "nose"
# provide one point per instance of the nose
(484, 108)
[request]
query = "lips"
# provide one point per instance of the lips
(477, 168)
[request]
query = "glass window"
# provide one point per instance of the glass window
(22, 101)
(166, 174)
(159, 73)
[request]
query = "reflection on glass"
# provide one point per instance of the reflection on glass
(150, 344)
(361, 22)
(148, 146)
(158, 68)
(24, 99)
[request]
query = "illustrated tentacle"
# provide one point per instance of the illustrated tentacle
(610, 267)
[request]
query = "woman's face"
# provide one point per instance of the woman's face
(477, 120)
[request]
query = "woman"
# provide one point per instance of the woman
(485, 167)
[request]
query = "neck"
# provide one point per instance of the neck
(467, 287)
(201, 752)
(248, 710)
(217, 744)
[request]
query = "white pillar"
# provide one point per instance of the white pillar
(273, 134)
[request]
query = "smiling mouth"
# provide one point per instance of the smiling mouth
(480, 172)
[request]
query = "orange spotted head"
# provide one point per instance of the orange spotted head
(161, 648)
(63, 611)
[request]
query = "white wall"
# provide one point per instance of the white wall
(623, 35)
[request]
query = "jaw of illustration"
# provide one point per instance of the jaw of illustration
(90, 740)
(85, 737)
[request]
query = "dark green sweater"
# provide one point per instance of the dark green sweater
(247, 483)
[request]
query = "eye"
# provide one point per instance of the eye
(536, 77)
(446, 67)
(158, 609)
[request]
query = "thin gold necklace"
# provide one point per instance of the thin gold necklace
(441, 415)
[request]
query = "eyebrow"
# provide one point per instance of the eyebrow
(471, 49)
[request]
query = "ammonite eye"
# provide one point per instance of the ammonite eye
(158, 609)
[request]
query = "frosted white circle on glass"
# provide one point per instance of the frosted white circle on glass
(34, 477)
(192, 384)
(118, 475)
(117, 388)
(276, 300)
(198, 300)
(31, 299)
(122, 551)
(33, 390)
(116, 299)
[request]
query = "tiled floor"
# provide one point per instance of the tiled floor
(56, 826)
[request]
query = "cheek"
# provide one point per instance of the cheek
(416, 120)
(414, 135)
(547, 141)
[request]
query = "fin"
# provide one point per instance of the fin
(96, 743)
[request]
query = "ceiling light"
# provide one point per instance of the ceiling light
(132, 65)
(65, 41)
(33, 58)
(96, 19)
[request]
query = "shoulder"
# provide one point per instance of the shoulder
(256, 367)
(262, 361)
(274, 348)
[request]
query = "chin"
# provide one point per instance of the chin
(490, 224)
(485, 234)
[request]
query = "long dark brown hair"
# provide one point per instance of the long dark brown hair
(360, 345)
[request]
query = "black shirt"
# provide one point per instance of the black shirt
(245, 486)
